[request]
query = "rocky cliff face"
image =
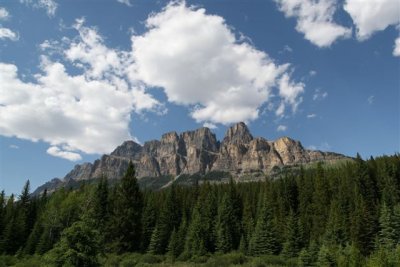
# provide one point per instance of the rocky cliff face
(199, 152)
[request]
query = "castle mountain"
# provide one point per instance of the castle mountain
(198, 152)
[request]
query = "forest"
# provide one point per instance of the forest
(346, 214)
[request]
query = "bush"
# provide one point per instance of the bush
(111, 260)
(129, 259)
(30, 261)
(226, 260)
(151, 259)
(7, 260)
(199, 259)
(269, 260)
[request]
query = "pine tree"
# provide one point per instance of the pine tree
(325, 258)
(2, 210)
(335, 233)
(173, 246)
(388, 235)
(264, 239)
(195, 241)
(226, 225)
(292, 245)
(304, 259)
(100, 205)
(149, 219)
(168, 220)
(127, 213)
(320, 202)
(235, 223)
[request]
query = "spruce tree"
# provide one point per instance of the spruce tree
(168, 220)
(100, 204)
(127, 213)
(264, 239)
(173, 246)
(292, 245)
(388, 235)
(149, 219)
(195, 241)
(226, 224)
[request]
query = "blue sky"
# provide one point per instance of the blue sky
(77, 78)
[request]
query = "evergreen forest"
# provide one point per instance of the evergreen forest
(346, 214)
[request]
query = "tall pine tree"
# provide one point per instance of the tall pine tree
(128, 206)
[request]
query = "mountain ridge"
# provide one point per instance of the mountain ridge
(197, 152)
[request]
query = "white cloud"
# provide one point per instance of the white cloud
(6, 33)
(57, 152)
(218, 77)
(290, 92)
(87, 112)
(313, 73)
(210, 125)
(315, 20)
(396, 50)
(371, 99)
(318, 95)
(286, 48)
(311, 116)
(4, 15)
(126, 2)
(281, 128)
(49, 5)
(14, 146)
(373, 15)
(280, 110)
(222, 79)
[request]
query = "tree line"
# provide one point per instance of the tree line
(340, 215)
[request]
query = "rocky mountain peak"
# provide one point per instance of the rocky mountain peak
(128, 149)
(171, 137)
(198, 152)
(238, 134)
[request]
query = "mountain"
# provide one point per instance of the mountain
(198, 153)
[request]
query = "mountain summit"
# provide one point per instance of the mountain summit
(199, 152)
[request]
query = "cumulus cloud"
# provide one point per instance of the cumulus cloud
(396, 50)
(49, 5)
(219, 77)
(223, 79)
(56, 152)
(13, 146)
(6, 33)
(290, 93)
(372, 16)
(315, 20)
(4, 15)
(281, 128)
(125, 2)
(210, 125)
(87, 112)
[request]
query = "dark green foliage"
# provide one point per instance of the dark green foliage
(225, 226)
(264, 239)
(79, 246)
(126, 222)
(328, 215)
(168, 220)
(149, 219)
(293, 242)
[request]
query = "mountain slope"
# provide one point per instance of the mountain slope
(198, 152)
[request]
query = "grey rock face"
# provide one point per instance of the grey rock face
(199, 151)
